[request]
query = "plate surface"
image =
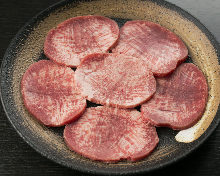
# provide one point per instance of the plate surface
(27, 48)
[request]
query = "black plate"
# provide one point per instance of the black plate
(26, 48)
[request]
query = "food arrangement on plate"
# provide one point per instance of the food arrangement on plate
(137, 67)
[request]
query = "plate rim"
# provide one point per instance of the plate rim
(43, 14)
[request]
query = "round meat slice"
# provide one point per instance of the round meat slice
(50, 95)
(160, 48)
(78, 37)
(180, 99)
(110, 134)
(115, 80)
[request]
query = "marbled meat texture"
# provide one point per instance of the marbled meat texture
(49, 93)
(78, 37)
(161, 48)
(115, 80)
(180, 98)
(110, 134)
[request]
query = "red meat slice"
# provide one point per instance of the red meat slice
(160, 48)
(77, 37)
(115, 80)
(49, 93)
(111, 134)
(180, 99)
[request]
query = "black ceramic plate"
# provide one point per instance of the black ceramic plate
(27, 48)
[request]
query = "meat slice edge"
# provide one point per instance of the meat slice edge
(110, 134)
(115, 80)
(180, 98)
(160, 48)
(50, 95)
(80, 36)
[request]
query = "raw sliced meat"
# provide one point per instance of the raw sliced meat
(50, 95)
(77, 37)
(180, 98)
(160, 48)
(115, 80)
(111, 134)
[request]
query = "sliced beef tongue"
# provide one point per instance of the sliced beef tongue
(180, 98)
(77, 37)
(50, 95)
(110, 134)
(115, 80)
(160, 48)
